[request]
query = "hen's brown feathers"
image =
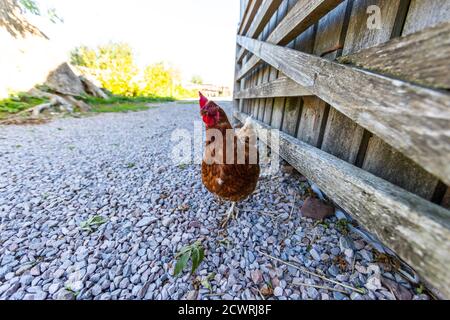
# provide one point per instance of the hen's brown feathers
(233, 182)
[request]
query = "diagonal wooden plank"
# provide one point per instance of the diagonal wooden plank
(303, 15)
(422, 57)
(282, 87)
(416, 229)
(412, 119)
(262, 18)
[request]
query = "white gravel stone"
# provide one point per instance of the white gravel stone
(118, 166)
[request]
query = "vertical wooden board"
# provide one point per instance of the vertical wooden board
(425, 13)
(312, 120)
(268, 111)
(278, 103)
(273, 74)
(315, 111)
(292, 110)
(277, 113)
(329, 31)
(342, 136)
(291, 115)
(380, 158)
(359, 35)
(446, 201)
(400, 171)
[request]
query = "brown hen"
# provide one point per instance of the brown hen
(232, 178)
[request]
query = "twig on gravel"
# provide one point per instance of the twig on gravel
(208, 295)
(320, 287)
(310, 273)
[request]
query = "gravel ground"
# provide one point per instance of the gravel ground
(55, 176)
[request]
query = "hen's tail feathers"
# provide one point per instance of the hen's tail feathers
(248, 131)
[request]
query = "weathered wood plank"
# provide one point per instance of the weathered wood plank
(342, 137)
(394, 167)
(412, 119)
(281, 87)
(390, 165)
(253, 8)
(334, 133)
(423, 14)
(421, 58)
(446, 201)
(277, 112)
(359, 36)
(417, 230)
(312, 120)
(292, 111)
(303, 15)
(262, 18)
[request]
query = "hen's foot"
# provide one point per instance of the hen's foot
(232, 213)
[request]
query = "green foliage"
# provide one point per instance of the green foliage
(17, 103)
(122, 100)
(118, 108)
(205, 282)
(197, 79)
(114, 67)
(92, 223)
(195, 252)
(342, 226)
(112, 64)
(32, 7)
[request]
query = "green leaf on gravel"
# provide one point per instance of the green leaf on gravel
(92, 223)
(195, 252)
(181, 263)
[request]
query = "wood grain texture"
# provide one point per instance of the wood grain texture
(421, 58)
(312, 120)
(282, 87)
(424, 14)
(395, 167)
(342, 137)
(262, 18)
(412, 119)
(303, 15)
(417, 230)
(446, 201)
(253, 8)
(390, 165)
(359, 36)
(292, 111)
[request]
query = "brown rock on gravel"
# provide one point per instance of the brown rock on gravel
(315, 209)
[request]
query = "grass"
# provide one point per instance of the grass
(122, 103)
(124, 100)
(23, 101)
(18, 103)
(120, 107)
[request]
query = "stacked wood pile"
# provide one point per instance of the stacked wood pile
(363, 108)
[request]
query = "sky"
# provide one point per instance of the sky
(196, 36)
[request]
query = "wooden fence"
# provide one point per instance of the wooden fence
(359, 91)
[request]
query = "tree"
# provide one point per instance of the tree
(197, 79)
(112, 64)
(32, 7)
(159, 80)
(13, 20)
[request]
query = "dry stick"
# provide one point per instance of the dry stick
(320, 287)
(311, 273)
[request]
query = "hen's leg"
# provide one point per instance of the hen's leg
(231, 213)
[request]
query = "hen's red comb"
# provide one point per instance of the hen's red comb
(203, 100)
